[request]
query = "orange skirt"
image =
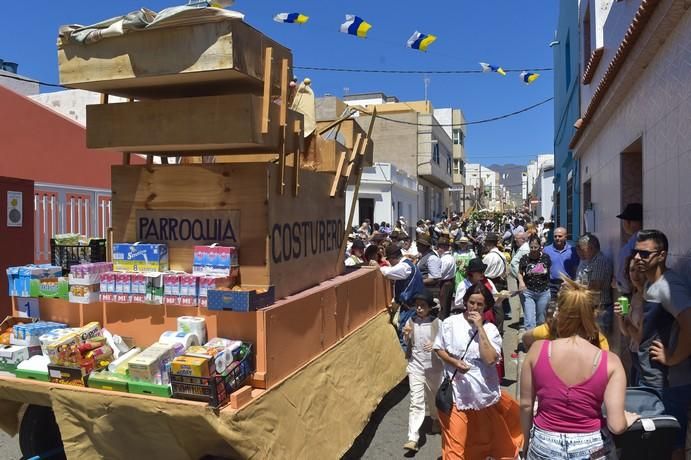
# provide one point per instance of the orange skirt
(494, 431)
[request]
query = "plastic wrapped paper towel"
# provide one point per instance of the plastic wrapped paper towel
(187, 339)
(193, 325)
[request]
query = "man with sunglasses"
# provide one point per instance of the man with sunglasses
(665, 346)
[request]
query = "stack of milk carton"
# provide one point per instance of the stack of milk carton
(85, 281)
(37, 281)
(132, 287)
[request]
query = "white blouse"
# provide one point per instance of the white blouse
(479, 387)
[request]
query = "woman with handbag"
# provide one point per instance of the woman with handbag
(477, 419)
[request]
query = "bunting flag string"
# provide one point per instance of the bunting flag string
(529, 77)
(291, 18)
(355, 25)
(492, 68)
(420, 41)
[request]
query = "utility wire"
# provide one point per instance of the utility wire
(476, 122)
(339, 69)
(415, 72)
(17, 77)
(393, 120)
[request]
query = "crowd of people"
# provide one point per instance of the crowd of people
(591, 326)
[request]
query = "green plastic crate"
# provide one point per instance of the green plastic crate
(108, 381)
(32, 375)
(151, 389)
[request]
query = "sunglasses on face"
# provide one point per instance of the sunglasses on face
(642, 253)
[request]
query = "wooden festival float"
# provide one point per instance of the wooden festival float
(238, 148)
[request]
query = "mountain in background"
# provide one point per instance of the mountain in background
(510, 176)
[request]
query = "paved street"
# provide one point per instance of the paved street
(384, 436)
(9, 447)
(386, 432)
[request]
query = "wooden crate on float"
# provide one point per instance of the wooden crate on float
(286, 241)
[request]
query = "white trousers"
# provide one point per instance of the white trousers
(423, 389)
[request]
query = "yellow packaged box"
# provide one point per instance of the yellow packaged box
(192, 366)
(88, 331)
(65, 351)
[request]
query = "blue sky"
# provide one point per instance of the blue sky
(510, 33)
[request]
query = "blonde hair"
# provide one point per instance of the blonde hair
(531, 229)
(576, 315)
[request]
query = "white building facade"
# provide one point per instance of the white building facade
(409, 137)
(544, 191)
(72, 103)
(386, 193)
(453, 122)
(482, 185)
(633, 140)
(18, 83)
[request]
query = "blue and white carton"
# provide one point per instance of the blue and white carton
(140, 257)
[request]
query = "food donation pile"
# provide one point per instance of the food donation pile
(183, 363)
(139, 274)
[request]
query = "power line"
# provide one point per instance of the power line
(393, 120)
(17, 77)
(416, 72)
(477, 122)
(343, 69)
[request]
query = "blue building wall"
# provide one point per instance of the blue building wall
(567, 74)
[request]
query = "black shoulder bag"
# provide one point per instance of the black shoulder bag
(444, 397)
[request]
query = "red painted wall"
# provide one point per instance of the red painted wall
(16, 243)
(39, 144)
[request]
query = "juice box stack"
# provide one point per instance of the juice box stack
(43, 280)
(140, 274)
(85, 281)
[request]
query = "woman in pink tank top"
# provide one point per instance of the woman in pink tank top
(571, 377)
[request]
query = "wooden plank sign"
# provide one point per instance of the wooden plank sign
(286, 241)
(184, 227)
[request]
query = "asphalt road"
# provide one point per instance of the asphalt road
(9, 447)
(384, 435)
